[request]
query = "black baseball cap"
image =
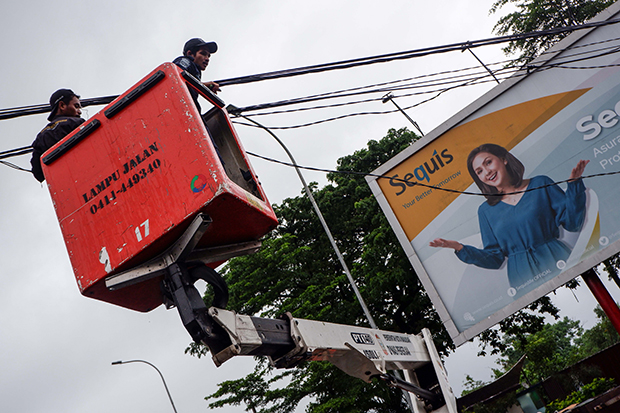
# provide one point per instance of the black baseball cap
(197, 44)
(56, 97)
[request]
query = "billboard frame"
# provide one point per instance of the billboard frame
(460, 337)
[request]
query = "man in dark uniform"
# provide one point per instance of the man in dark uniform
(195, 59)
(64, 118)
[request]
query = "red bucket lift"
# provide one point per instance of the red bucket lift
(151, 196)
(131, 180)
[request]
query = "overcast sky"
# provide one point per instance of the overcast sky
(55, 345)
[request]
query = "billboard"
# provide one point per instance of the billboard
(482, 258)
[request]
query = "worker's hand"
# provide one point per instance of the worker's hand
(213, 87)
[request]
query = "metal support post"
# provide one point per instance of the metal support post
(483, 65)
(360, 299)
(390, 98)
(603, 297)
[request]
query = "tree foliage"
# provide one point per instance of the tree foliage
(297, 271)
(597, 386)
(539, 15)
(555, 347)
(599, 337)
(548, 351)
(518, 327)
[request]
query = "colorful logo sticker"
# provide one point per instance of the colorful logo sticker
(198, 183)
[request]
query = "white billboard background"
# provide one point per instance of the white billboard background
(471, 299)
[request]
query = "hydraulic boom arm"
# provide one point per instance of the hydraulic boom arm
(360, 352)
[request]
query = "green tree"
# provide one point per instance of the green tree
(470, 385)
(518, 327)
(555, 347)
(537, 15)
(548, 351)
(297, 271)
(599, 337)
(588, 391)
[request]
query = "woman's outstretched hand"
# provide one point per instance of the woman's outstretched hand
(446, 243)
(578, 170)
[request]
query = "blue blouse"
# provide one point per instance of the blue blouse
(527, 233)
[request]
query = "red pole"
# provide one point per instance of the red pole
(601, 294)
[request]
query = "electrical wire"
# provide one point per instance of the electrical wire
(382, 88)
(458, 76)
(345, 64)
(15, 152)
(12, 165)
(476, 80)
(485, 78)
(437, 94)
(504, 73)
(354, 102)
(392, 178)
(26, 149)
(410, 54)
(44, 108)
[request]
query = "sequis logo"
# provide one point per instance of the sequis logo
(423, 172)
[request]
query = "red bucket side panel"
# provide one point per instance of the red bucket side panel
(124, 193)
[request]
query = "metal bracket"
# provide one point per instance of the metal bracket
(177, 252)
(224, 252)
(179, 268)
(296, 354)
(182, 250)
(467, 47)
(428, 395)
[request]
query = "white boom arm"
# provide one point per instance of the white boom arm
(360, 352)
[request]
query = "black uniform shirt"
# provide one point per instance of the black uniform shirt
(58, 128)
(187, 63)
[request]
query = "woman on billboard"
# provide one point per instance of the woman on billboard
(518, 221)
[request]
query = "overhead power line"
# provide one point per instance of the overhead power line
(397, 85)
(15, 152)
(450, 83)
(44, 108)
(462, 79)
(462, 46)
(439, 188)
(345, 64)
(28, 149)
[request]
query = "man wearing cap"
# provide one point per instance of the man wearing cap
(64, 118)
(196, 55)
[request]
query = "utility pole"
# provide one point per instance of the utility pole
(390, 98)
